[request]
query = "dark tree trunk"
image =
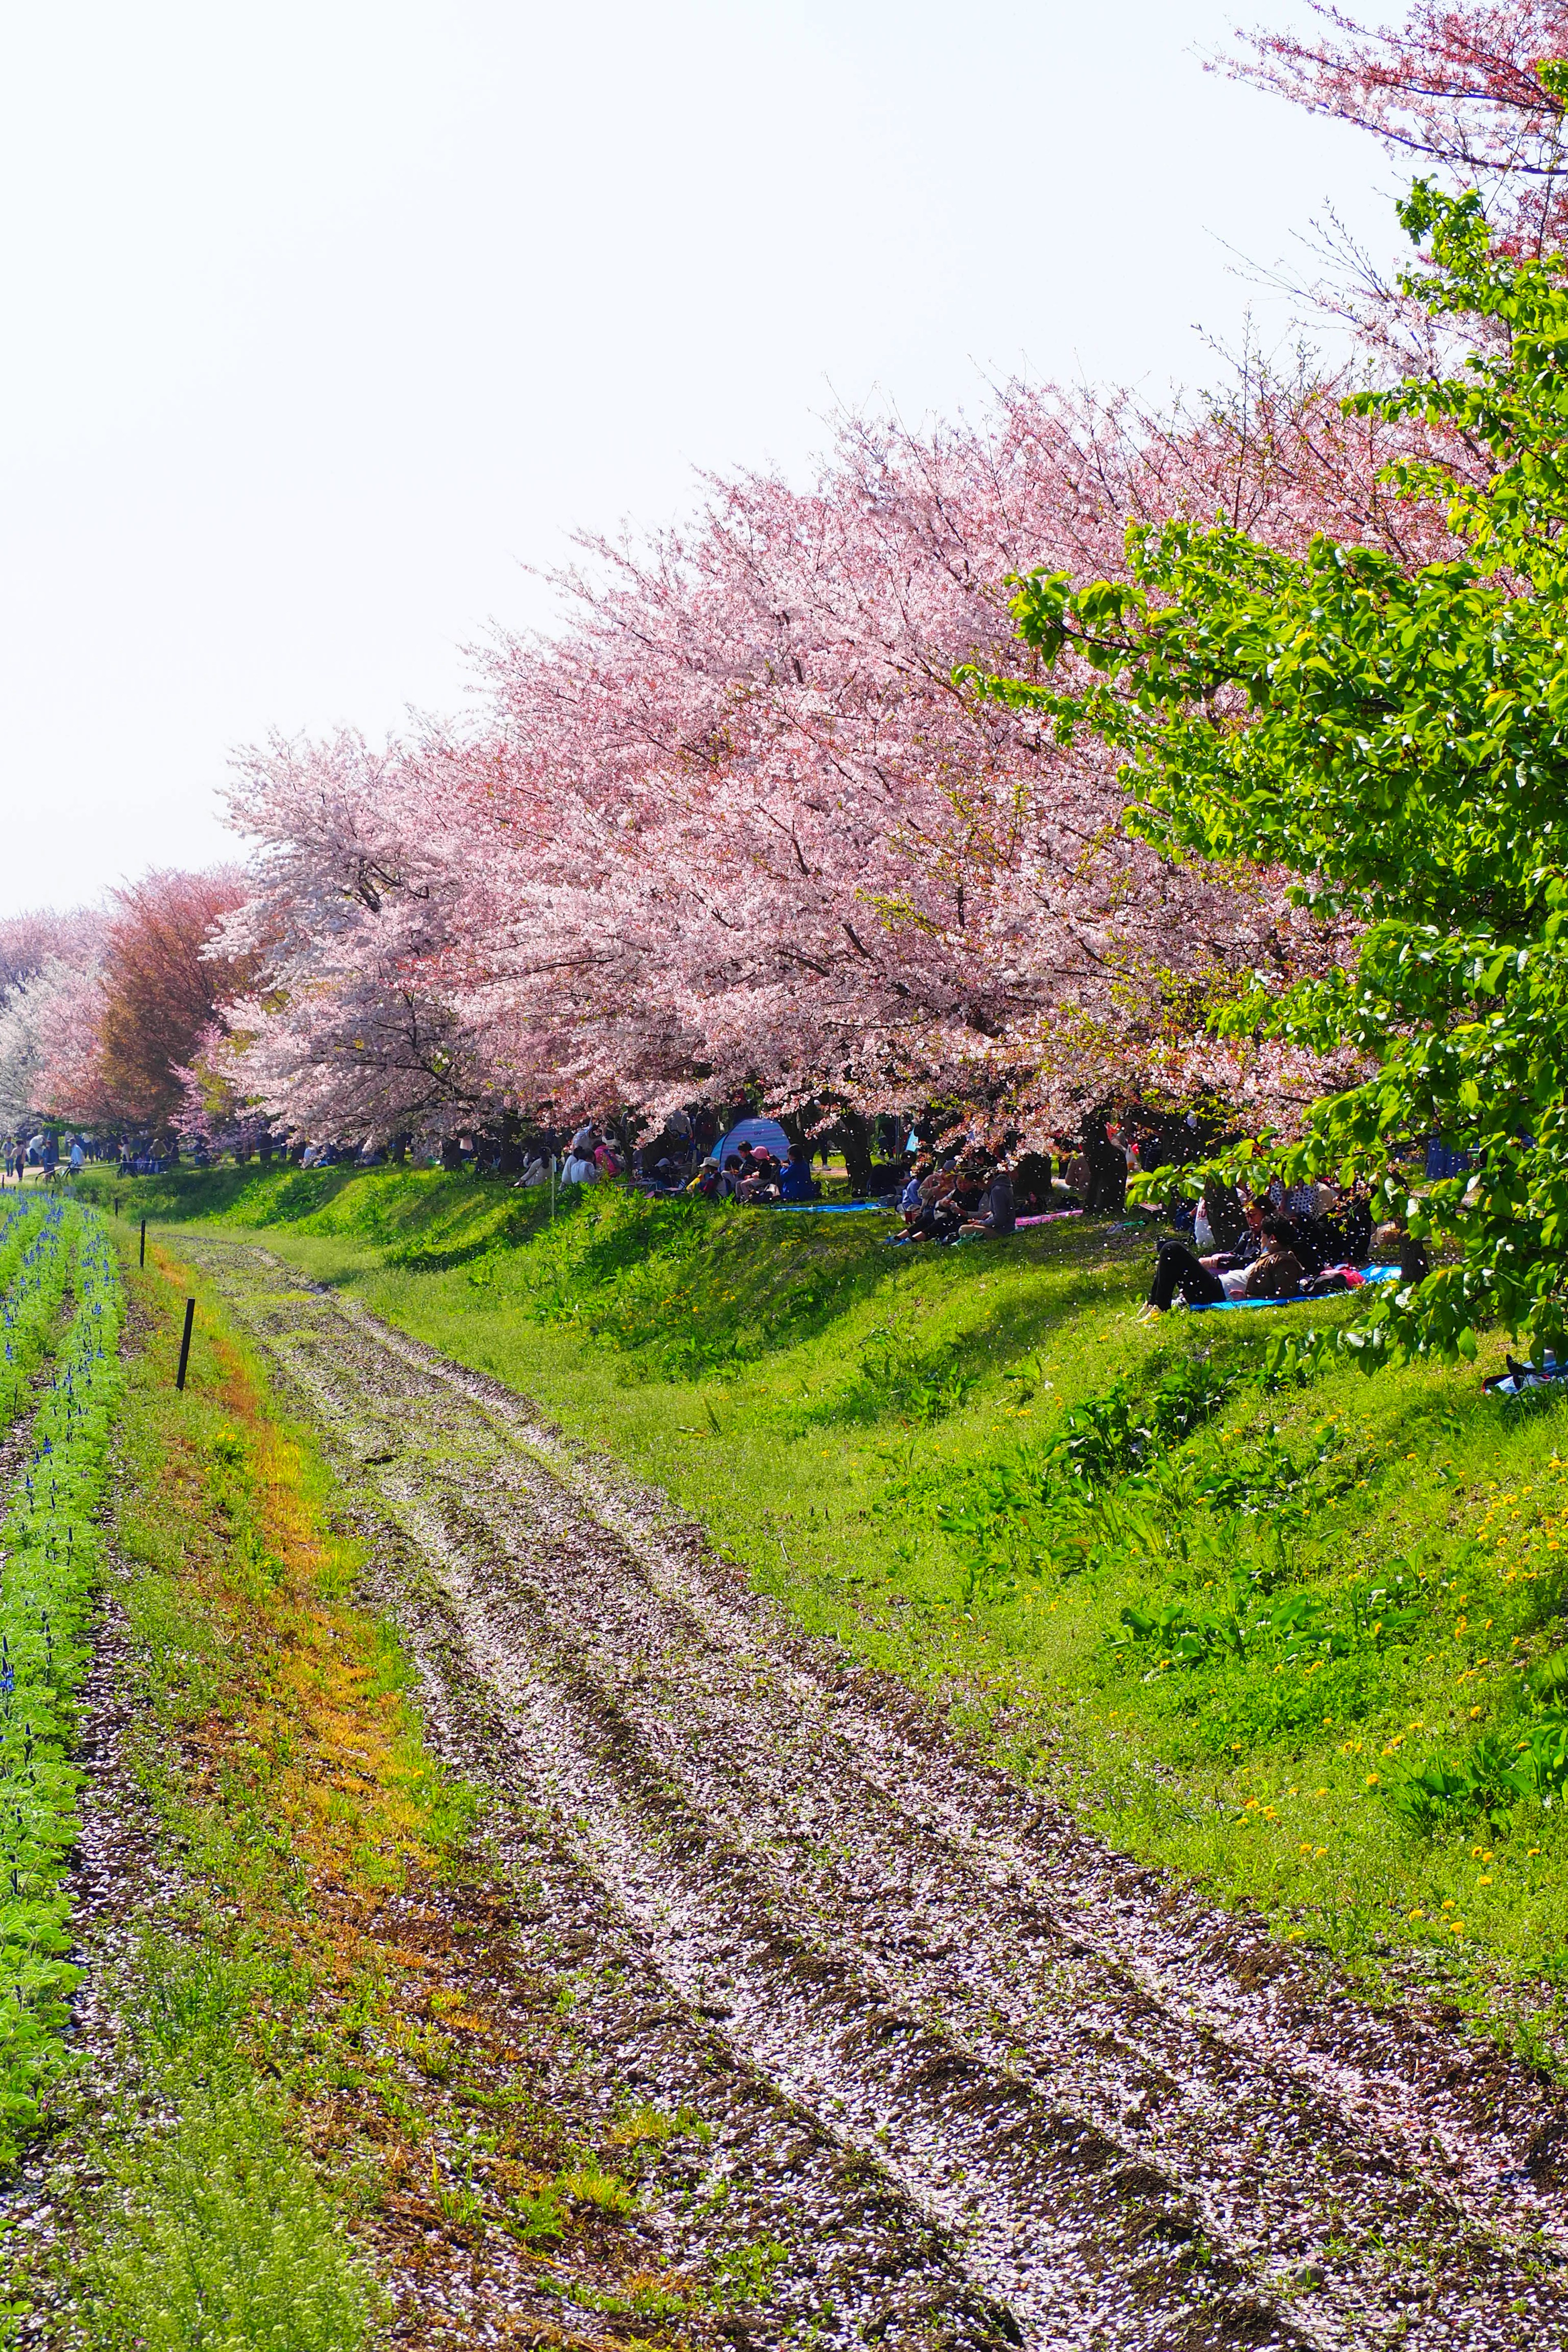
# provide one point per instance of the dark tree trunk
(1413, 1264)
(1223, 1209)
(1107, 1171)
(855, 1134)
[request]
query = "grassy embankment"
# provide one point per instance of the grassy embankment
(1280, 1625)
(319, 2078)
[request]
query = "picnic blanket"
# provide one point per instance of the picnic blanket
(831, 1208)
(1304, 1298)
(1519, 1379)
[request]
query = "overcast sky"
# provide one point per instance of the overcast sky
(323, 323)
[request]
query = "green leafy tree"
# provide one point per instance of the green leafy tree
(1399, 739)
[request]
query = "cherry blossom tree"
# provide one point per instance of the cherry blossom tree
(28, 942)
(1475, 90)
(48, 963)
(741, 829)
(102, 1041)
(825, 866)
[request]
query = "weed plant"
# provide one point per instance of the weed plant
(208, 2228)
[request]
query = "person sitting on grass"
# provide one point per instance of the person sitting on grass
(934, 1212)
(913, 1203)
(1263, 1265)
(954, 1201)
(963, 1203)
(995, 1215)
(797, 1182)
(761, 1180)
(1344, 1220)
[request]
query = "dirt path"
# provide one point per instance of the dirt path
(1082, 2111)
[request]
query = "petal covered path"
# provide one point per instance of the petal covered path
(1015, 2088)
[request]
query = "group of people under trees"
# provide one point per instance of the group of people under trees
(1282, 1244)
(673, 1161)
(964, 1197)
(42, 1152)
(752, 1172)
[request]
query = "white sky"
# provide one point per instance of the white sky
(322, 321)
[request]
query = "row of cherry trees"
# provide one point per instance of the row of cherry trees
(738, 828)
(101, 1012)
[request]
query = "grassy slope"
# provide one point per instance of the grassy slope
(823, 1402)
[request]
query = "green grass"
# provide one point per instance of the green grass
(1285, 1627)
(210, 2229)
(50, 1551)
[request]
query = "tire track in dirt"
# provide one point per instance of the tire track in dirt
(1137, 2122)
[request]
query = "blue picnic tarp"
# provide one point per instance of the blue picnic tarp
(831, 1208)
(1520, 1379)
(1305, 1298)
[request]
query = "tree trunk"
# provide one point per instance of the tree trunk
(1414, 1263)
(855, 1133)
(1107, 1170)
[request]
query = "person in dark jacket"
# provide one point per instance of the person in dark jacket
(797, 1182)
(993, 1212)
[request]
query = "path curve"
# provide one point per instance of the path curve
(1128, 2121)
